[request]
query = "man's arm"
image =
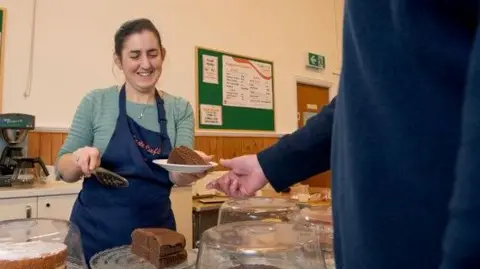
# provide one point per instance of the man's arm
(462, 239)
(302, 154)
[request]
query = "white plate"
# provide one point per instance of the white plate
(183, 168)
(123, 258)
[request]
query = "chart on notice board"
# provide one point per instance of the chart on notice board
(234, 92)
(247, 83)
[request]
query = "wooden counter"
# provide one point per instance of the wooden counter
(198, 206)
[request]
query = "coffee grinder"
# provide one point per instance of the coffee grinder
(14, 128)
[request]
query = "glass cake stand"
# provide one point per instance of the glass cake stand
(319, 220)
(257, 208)
(262, 244)
(122, 257)
(42, 242)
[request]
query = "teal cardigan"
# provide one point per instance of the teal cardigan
(96, 118)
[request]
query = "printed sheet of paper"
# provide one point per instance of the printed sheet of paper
(211, 115)
(247, 83)
(307, 115)
(210, 69)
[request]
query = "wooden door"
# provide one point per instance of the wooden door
(310, 99)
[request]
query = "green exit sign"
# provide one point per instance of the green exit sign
(316, 61)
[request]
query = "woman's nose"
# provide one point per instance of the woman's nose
(145, 63)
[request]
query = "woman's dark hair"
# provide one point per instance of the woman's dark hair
(132, 27)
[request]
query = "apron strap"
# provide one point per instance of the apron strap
(161, 114)
(122, 107)
(162, 118)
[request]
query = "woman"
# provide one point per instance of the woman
(123, 129)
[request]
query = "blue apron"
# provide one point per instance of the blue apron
(105, 216)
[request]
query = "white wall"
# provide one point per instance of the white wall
(74, 45)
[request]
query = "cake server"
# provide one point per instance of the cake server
(109, 178)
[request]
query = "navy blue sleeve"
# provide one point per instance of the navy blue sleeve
(462, 239)
(302, 154)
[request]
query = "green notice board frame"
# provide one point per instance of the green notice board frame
(252, 108)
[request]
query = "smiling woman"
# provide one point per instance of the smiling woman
(123, 129)
(140, 56)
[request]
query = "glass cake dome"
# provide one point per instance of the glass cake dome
(40, 243)
(257, 208)
(262, 244)
(319, 220)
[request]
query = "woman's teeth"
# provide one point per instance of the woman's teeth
(144, 74)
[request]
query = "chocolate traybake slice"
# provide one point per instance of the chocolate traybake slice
(160, 247)
(185, 155)
(170, 260)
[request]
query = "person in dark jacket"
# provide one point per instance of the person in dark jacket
(303, 142)
(405, 153)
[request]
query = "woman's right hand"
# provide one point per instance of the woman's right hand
(86, 159)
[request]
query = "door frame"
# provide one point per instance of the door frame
(314, 82)
(319, 83)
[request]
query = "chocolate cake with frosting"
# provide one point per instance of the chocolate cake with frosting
(185, 155)
(33, 255)
(161, 247)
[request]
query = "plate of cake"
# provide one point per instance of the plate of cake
(35, 255)
(151, 248)
(40, 243)
(185, 160)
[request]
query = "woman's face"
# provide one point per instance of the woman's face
(141, 60)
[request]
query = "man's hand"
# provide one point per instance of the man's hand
(244, 178)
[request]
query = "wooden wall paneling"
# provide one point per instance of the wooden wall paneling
(252, 145)
(57, 143)
(33, 144)
(232, 147)
(46, 147)
(269, 141)
(47, 144)
(211, 146)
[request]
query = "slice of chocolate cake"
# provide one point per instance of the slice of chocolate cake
(185, 155)
(161, 247)
(170, 260)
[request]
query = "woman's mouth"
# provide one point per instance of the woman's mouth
(145, 73)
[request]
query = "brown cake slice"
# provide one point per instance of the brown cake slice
(170, 260)
(161, 247)
(185, 155)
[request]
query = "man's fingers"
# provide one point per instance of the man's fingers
(214, 184)
(244, 191)
(233, 186)
(228, 163)
(224, 184)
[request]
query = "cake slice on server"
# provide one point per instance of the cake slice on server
(161, 247)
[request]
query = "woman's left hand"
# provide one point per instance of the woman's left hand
(181, 179)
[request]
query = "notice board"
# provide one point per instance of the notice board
(234, 92)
